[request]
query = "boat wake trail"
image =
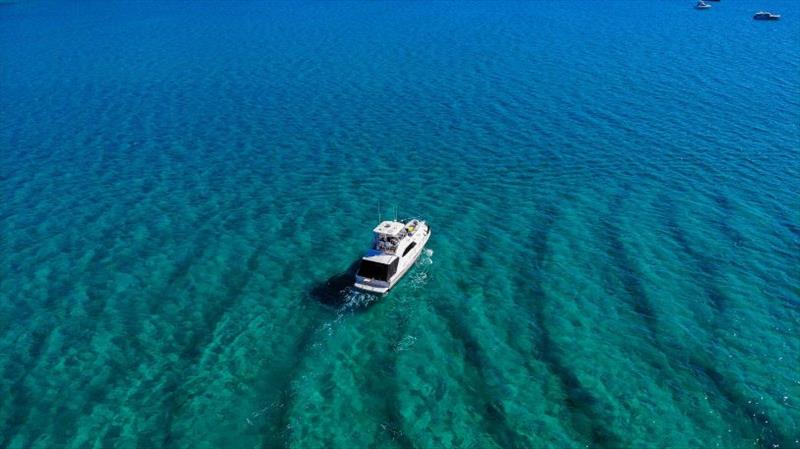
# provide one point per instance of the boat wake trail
(353, 298)
(418, 278)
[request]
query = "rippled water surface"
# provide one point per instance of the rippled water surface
(613, 189)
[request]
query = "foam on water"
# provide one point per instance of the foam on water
(419, 274)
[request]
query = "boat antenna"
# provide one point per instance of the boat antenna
(379, 210)
(395, 212)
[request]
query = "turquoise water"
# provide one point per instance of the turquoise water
(612, 188)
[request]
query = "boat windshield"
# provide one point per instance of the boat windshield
(373, 270)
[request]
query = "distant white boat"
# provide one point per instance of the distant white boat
(702, 5)
(396, 245)
(763, 15)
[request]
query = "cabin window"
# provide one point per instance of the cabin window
(378, 271)
(392, 268)
(374, 270)
(412, 245)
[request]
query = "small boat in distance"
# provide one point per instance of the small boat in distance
(702, 5)
(396, 245)
(763, 15)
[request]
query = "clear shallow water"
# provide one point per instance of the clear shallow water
(613, 190)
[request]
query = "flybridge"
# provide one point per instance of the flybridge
(389, 228)
(388, 236)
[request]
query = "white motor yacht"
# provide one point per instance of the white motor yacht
(702, 5)
(395, 247)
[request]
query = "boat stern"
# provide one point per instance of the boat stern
(371, 285)
(375, 272)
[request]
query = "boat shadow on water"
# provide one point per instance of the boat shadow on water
(338, 291)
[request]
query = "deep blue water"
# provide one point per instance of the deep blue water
(612, 187)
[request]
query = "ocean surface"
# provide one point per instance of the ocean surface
(613, 189)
